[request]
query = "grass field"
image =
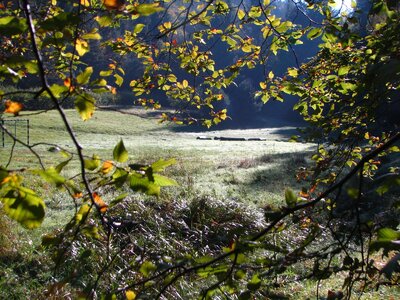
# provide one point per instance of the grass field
(250, 173)
(249, 170)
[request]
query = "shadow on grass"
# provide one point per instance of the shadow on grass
(272, 173)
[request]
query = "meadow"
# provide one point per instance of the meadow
(242, 177)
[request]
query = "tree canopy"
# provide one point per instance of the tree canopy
(60, 54)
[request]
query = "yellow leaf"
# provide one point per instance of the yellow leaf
(13, 107)
(130, 295)
(82, 47)
(85, 2)
(185, 83)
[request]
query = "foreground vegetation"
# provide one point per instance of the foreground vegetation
(225, 189)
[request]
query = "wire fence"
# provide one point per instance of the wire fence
(18, 128)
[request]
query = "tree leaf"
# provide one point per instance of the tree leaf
(52, 176)
(118, 199)
(314, 33)
(82, 47)
(61, 166)
(119, 153)
(118, 79)
(113, 4)
(92, 164)
(130, 295)
(148, 9)
(147, 268)
(84, 77)
(161, 164)
(290, 197)
(10, 26)
(84, 104)
(255, 283)
(13, 107)
(138, 28)
(139, 183)
(163, 181)
(24, 206)
(241, 14)
(100, 203)
(107, 167)
(388, 234)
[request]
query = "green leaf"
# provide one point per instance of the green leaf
(231, 42)
(118, 199)
(255, 12)
(118, 79)
(147, 9)
(147, 268)
(91, 36)
(139, 183)
(290, 197)
(119, 153)
(10, 26)
(314, 33)
(91, 231)
(163, 181)
(80, 216)
(119, 177)
(58, 90)
(92, 164)
(343, 70)
(61, 166)
(84, 77)
(24, 206)
(388, 234)
(104, 21)
(84, 104)
(138, 28)
(240, 258)
(106, 73)
(161, 164)
(255, 283)
(52, 176)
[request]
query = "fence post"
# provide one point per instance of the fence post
(2, 133)
(27, 132)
